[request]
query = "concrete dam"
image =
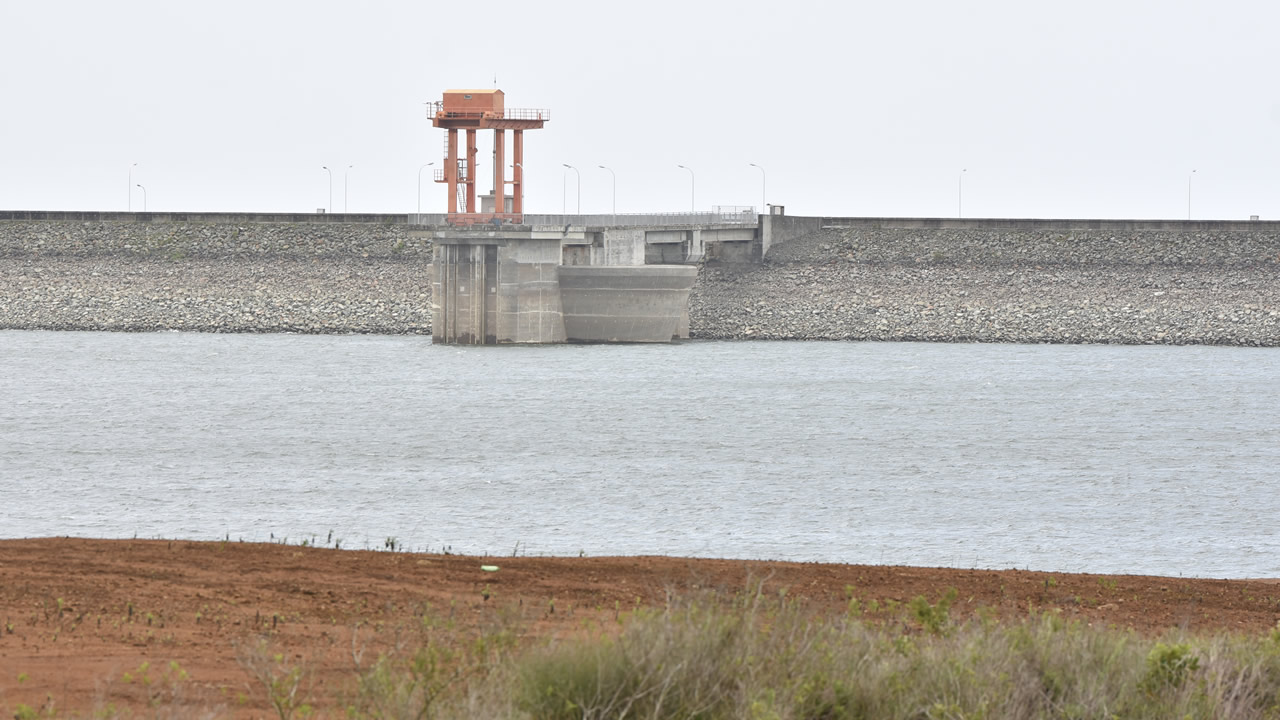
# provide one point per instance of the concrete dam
(777, 278)
(496, 284)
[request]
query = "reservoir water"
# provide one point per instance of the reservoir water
(1115, 459)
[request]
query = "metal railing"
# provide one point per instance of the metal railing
(436, 109)
(526, 114)
(741, 216)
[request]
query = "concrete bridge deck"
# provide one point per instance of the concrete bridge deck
(626, 239)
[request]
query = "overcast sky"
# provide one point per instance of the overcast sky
(1079, 109)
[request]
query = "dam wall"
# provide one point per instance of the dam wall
(213, 272)
(931, 279)
(1032, 281)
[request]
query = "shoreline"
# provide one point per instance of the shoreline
(569, 558)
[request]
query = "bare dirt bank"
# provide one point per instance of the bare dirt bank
(79, 615)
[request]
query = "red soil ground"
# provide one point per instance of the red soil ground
(78, 618)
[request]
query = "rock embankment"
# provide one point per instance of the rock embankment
(953, 285)
(214, 277)
(945, 285)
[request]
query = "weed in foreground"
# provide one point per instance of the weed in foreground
(428, 666)
(285, 684)
(706, 658)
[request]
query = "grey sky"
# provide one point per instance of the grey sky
(1056, 109)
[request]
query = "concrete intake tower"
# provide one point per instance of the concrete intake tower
(500, 276)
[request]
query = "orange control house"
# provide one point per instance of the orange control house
(473, 110)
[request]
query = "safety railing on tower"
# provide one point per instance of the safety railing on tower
(436, 109)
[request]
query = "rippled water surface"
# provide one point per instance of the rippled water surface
(1067, 458)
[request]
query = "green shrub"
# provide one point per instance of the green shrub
(935, 619)
(1168, 666)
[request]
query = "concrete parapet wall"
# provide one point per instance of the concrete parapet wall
(874, 223)
(199, 217)
(778, 229)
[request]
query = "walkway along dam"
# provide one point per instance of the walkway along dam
(761, 277)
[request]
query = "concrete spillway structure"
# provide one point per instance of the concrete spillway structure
(508, 286)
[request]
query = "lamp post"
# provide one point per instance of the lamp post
(693, 186)
(424, 167)
(1193, 172)
(130, 204)
(577, 209)
(144, 198)
(763, 180)
(326, 169)
(345, 174)
(960, 194)
(615, 191)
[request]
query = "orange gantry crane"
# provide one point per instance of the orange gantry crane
(474, 110)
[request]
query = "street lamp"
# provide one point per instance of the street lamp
(130, 205)
(345, 173)
(144, 198)
(615, 192)
(693, 203)
(424, 167)
(326, 169)
(960, 194)
(578, 207)
(763, 179)
(1193, 172)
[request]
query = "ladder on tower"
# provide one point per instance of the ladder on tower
(464, 180)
